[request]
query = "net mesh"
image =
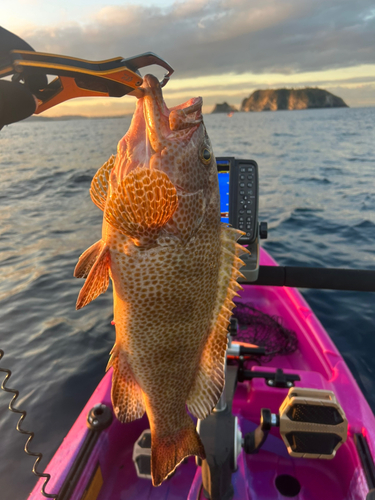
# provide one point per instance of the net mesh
(256, 327)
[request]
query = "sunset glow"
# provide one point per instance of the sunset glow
(221, 57)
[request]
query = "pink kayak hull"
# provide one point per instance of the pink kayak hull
(319, 365)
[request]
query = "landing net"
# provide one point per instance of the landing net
(263, 330)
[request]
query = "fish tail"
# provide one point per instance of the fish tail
(167, 452)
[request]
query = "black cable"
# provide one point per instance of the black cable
(22, 431)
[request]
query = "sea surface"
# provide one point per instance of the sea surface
(317, 193)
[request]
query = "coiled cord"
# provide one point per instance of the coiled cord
(38, 456)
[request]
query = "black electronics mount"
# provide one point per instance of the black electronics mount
(244, 215)
(244, 208)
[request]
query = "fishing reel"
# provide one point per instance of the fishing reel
(311, 422)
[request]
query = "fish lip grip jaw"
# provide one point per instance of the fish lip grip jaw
(79, 77)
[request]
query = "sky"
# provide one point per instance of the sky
(222, 50)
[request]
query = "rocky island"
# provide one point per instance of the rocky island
(278, 99)
(224, 108)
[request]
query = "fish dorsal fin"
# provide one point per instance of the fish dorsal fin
(188, 216)
(142, 204)
(127, 397)
(99, 184)
(87, 260)
(97, 280)
(209, 383)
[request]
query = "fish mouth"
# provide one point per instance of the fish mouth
(164, 124)
(154, 127)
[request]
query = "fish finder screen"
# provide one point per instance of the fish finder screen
(224, 195)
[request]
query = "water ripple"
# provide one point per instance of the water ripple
(317, 193)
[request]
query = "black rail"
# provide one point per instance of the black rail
(360, 280)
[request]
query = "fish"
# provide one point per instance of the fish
(174, 268)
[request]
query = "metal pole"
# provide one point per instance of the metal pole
(222, 403)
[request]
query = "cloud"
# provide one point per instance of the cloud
(356, 95)
(200, 38)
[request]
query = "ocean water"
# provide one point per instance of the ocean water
(317, 192)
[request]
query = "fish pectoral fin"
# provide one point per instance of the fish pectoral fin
(97, 280)
(127, 396)
(167, 452)
(88, 259)
(142, 204)
(188, 216)
(99, 184)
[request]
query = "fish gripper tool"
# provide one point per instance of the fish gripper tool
(79, 77)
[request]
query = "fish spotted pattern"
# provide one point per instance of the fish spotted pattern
(173, 266)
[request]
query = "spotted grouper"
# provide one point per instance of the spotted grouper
(173, 266)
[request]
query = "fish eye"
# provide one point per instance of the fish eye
(206, 155)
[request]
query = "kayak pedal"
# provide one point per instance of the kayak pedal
(312, 423)
(142, 455)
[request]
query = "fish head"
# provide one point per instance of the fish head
(173, 140)
(168, 150)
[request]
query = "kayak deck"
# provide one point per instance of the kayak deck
(109, 472)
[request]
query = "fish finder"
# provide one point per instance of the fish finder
(239, 201)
